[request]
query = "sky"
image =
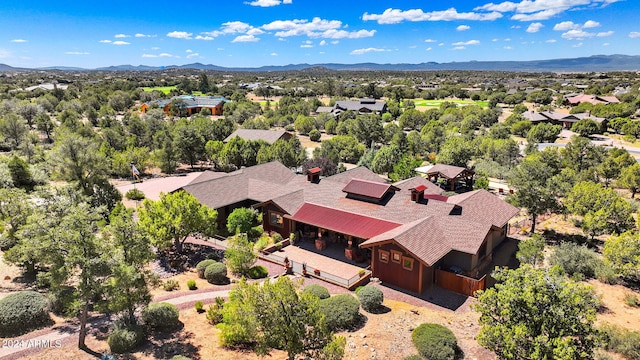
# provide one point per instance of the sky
(254, 33)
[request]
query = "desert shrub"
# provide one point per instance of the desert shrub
(170, 285)
(276, 237)
(191, 284)
(134, 194)
(414, 357)
(125, 339)
(317, 290)
(370, 298)
(180, 357)
(435, 342)
(199, 306)
(22, 312)
(341, 311)
(606, 273)
(314, 135)
(161, 316)
(631, 299)
(202, 265)
(576, 259)
(621, 341)
(216, 273)
(258, 272)
(214, 314)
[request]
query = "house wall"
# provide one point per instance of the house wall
(393, 273)
(459, 259)
(284, 230)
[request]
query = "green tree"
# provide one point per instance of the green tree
(240, 255)
(630, 179)
(623, 253)
(404, 168)
(543, 133)
(13, 129)
(276, 315)
(603, 210)
(585, 127)
(176, 216)
(456, 151)
(20, 173)
(130, 250)
(190, 144)
(530, 251)
(241, 220)
(14, 212)
(45, 124)
(385, 159)
(537, 314)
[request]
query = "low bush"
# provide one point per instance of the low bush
(314, 135)
(214, 314)
(161, 316)
(276, 238)
(631, 299)
(180, 357)
(414, 357)
(621, 341)
(317, 290)
(576, 260)
(258, 272)
(370, 298)
(191, 284)
(22, 312)
(134, 194)
(125, 339)
(199, 306)
(202, 265)
(341, 311)
(435, 342)
(170, 285)
(216, 273)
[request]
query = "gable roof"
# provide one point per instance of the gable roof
(370, 189)
(446, 171)
(482, 206)
(269, 136)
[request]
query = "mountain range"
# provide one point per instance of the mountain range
(595, 63)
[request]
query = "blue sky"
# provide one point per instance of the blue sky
(254, 33)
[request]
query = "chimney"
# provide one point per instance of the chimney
(313, 175)
(417, 193)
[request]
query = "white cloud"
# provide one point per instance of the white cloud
(459, 48)
(577, 35)
(516, 26)
(507, 39)
(605, 33)
(188, 51)
(551, 41)
(245, 38)
(565, 25)
(430, 41)
(155, 48)
(18, 41)
(105, 41)
(274, 54)
(149, 56)
(335, 42)
(606, 44)
(140, 35)
(316, 28)
(429, 49)
(590, 24)
(323, 43)
(366, 50)
(634, 34)
(534, 27)
(578, 45)
(463, 28)
(268, 3)
(494, 39)
(343, 34)
(532, 10)
(192, 55)
(466, 43)
(120, 42)
(166, 55)
(205, 37)
(306, 46)
(508, 48)
(180, 35)
(76, 53)
(121, 36)
(395, 16)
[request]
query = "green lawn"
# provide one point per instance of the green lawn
(164, 89)
(436, 103)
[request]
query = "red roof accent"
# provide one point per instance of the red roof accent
(420, 188)
(371, 189)
(341, 221)
(436, 197)
(314, 170)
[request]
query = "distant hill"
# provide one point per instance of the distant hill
(582, 64)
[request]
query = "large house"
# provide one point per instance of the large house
(558, 118)
(362, 106)
(407, 230)
(193, 104)
(592, 99)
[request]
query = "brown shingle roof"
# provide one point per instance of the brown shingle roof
(370, 189)
(447, 171)
(484, 207)
(269, 136)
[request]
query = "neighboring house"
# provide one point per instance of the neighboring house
(269, 136)
(558, 118)
(193, 104)
(407, 230)
(593, 99)
(362, 106)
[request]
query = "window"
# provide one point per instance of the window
(396, 256)
(407, 263)
(275, 219)
(384, 256)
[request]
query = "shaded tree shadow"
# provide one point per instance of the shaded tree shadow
(380, 310)
(553, 237)
(165, 345)
(91, 352)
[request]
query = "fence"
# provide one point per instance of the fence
(460, 283)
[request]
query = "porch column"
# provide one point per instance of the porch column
(420, 278)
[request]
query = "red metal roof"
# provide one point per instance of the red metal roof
(341, 221)
(314, 170)
(368, 188)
